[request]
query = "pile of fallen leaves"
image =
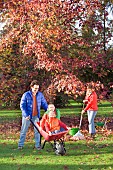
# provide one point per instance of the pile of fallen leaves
(105, 130)
(11, 129)
(74, 122)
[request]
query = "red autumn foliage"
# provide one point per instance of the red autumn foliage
(43, 36)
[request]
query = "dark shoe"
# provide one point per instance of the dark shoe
(93, 135)
(20, 147)
(39, 148)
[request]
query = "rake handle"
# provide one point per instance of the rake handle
(80, 121)
(81, 117)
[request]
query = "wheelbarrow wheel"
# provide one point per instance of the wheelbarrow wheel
(60, 149)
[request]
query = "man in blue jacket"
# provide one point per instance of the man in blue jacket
(30, 105)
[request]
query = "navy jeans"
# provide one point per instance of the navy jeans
(57, 131)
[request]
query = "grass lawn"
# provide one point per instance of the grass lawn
(80, 155)
(104, 109)
(94, 154)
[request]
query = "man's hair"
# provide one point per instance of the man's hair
(34, 82)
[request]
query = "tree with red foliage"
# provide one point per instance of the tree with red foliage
(47, 32)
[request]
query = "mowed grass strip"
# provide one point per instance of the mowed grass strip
(105, 109)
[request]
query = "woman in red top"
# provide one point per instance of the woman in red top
(91, 108)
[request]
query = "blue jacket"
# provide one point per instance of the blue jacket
(26, 103)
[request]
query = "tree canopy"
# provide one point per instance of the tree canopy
(61, 39)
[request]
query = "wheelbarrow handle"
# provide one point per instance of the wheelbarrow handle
(34, 125)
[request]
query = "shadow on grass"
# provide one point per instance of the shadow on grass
(73, 148)
(80, 155)
(89, 149)
(36, 166)
(74, 106)
(104, 104)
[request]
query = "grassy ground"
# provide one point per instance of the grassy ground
(81, 155)
(105, 109)
(86, 154)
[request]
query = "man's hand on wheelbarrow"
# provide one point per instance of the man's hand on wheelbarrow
(27, 118)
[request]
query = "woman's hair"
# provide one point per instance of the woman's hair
(90, 86)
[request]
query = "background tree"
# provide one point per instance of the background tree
(50, 43)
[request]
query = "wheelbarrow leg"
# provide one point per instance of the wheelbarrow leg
(44, 144)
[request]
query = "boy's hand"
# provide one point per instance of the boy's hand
(49, 133)
(68, 128)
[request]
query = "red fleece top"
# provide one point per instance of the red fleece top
(52, 123)
(34, 112)
(92, 102)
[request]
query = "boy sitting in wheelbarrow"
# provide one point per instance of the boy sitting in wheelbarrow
(53, 129)
(50, 123)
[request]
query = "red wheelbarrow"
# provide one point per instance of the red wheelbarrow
(58, 144)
